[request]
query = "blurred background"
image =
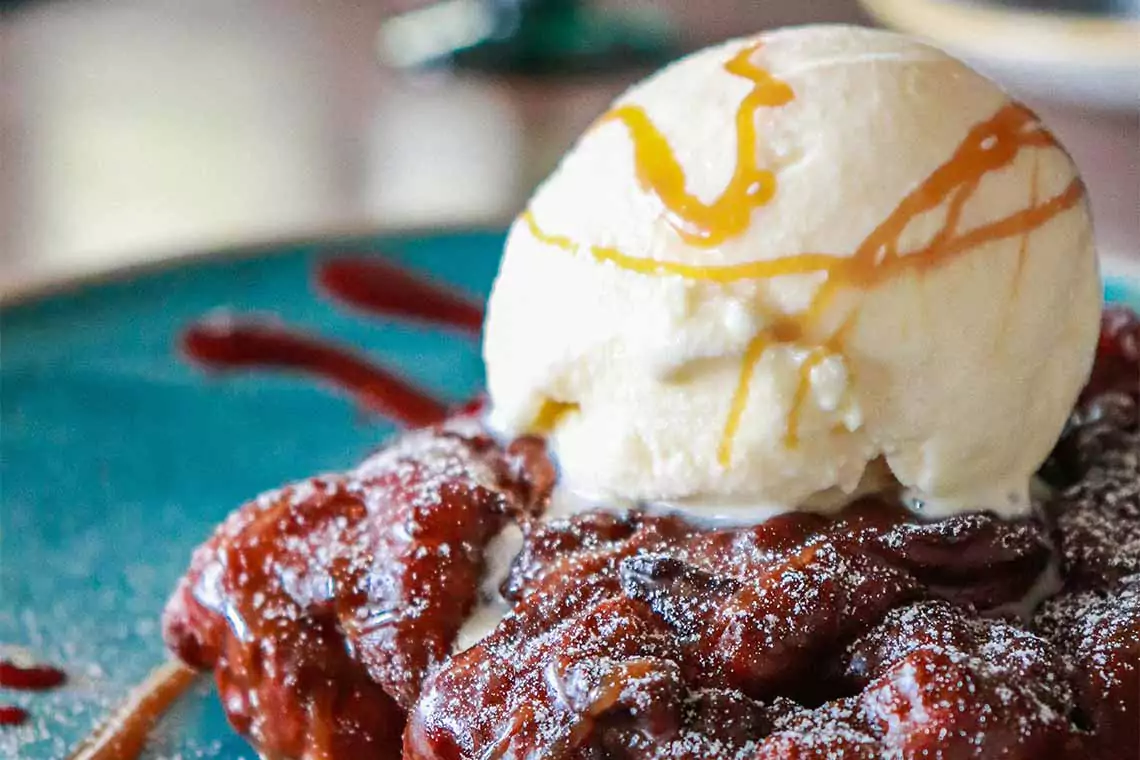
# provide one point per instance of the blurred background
(136, 130)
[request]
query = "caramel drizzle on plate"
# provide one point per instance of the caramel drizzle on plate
(123, 736)
(989, 146)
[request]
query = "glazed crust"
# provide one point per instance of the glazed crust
(328, 611)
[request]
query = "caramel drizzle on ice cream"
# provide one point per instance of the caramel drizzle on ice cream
(989, 146)
(658, 171)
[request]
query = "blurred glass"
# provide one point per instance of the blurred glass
(527, 37)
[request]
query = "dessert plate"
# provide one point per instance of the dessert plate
(119, 455)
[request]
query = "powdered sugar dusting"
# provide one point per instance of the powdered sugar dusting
(1098, 518)
(635, 634)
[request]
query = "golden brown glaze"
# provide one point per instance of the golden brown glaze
(639, 637)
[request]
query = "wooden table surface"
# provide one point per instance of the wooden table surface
(133, 130)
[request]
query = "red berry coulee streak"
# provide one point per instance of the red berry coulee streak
(30, 678)
(229, 345)
(13, 716)
(381, 287)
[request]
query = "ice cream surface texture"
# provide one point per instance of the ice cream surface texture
(784, 262)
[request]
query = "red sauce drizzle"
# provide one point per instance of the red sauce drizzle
(228, 345)
(372, 285)
(31, 678)
(382, 287)
(13, 716)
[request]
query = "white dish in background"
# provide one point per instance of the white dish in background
(1091, 61)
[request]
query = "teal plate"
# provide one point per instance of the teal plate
(117, 457)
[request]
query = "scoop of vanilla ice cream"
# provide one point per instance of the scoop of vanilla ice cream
(787, 263)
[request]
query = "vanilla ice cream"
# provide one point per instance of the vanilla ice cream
(789, 263)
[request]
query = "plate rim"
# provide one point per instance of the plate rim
(35, 286)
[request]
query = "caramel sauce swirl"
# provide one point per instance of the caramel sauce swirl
(988, 147)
